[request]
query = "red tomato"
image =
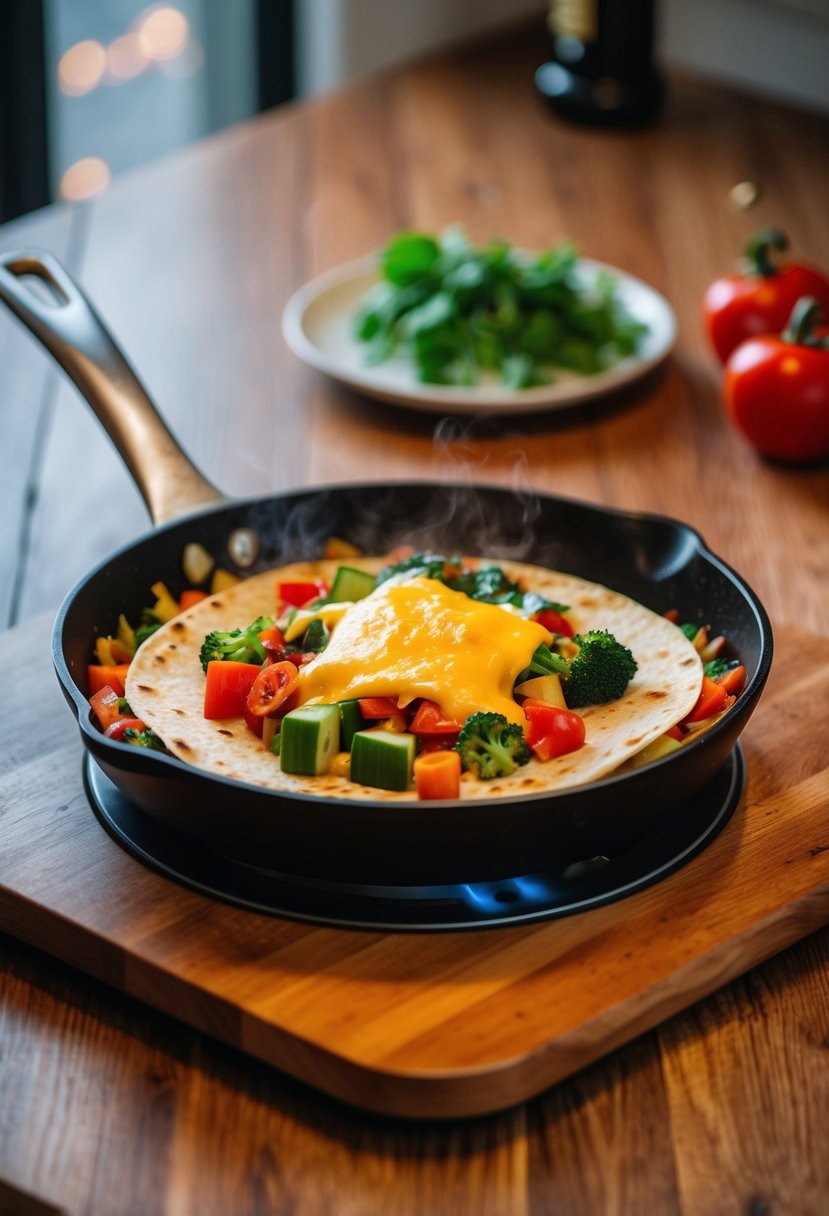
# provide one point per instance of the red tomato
(552, 731)
(272, 686)
(555, 622)
(741, 306)
(105, 703)
(116, 729)
(227, 687)
(777, 391)
(429, 720)
(298, 594)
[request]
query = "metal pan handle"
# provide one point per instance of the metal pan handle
(73, 333)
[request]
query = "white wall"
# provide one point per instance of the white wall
(776, 47)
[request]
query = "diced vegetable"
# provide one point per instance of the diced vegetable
(106, 704)
(438, 775)
(221, 580)
(189, 598)
(429, 721)
(351, 720)
(196, 563)
(711, 700)
(557, 624)
(310, 738)
(543, 688)
(165, 607)
(298, 594)
(663, 746)
(227, 687)
(336, 547)
(100, 676)
(116, 729)
(551, 731)
(378, 707)
(383, 759)
(272, 688)
(350, 584)
(732, 680)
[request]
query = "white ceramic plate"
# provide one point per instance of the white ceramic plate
(318, 326)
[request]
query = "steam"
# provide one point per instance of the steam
(459, 511)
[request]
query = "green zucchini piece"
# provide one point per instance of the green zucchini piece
(350, 584)
(351, 720)
(309, 739)
(382, 759)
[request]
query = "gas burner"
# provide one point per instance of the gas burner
(521, 899)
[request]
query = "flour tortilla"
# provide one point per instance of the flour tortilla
(165, 687)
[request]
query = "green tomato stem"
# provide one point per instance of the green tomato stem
(758, 251)
(801, 327)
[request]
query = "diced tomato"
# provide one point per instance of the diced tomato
(438, 775)
(254, 723)
(733, 680)
(116, 729)
(672, 615)
(189, 598)
(271, 688)
(378, 707)
(429, 720)
(555, 622)
(552, 731)
(99, 676)
(712, 699)
(298, 594)
(105, 703)
(675, 732)
(227, 687)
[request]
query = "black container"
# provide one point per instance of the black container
(601, 70)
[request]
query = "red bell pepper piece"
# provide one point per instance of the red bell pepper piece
(555, 622)
(226, 688)
(712, 699)
(429, 721)
(298, 594)
(116, 729)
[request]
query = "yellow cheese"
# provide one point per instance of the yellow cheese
(329, 614)
(420, 639)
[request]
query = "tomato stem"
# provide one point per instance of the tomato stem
(801, 327)
(758, 251)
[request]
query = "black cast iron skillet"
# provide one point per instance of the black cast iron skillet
(657, 561)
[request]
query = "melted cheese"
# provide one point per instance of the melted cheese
(420, 639)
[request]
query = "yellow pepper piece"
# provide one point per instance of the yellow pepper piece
(335, 546)
(165, 607)
(222, 579)
(126, 634)
(103, 652)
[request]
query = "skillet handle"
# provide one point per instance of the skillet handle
(73, 333)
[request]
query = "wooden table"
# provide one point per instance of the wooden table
(107, 1106)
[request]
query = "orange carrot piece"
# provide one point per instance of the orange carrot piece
(438, 775)
(711, 700)
(732, 681)
(190, 597)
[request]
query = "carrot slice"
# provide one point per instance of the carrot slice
(732, 681)
(189, 597)
(711, 700)
(438, 775)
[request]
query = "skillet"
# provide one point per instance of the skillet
(657, 561)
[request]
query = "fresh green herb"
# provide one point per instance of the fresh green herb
(718, 667)
(488, 583)
(459, 311)
(144, 738)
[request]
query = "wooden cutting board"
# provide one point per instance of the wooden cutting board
(437, 1024)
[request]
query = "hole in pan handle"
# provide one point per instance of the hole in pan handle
(72, 332)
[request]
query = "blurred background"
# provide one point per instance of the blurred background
(90, 88)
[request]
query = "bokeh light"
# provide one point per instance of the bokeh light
(81, 68)
(125, 59)
(162, 31)
(84, 179)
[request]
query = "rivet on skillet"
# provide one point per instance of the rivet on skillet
(243, 547)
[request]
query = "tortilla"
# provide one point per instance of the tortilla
(165, 687)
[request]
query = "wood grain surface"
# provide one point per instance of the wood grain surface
(109, 1106)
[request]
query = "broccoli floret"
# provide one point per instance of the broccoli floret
(239, 645)
(492, 745)
(600, 672)
(144, 738)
